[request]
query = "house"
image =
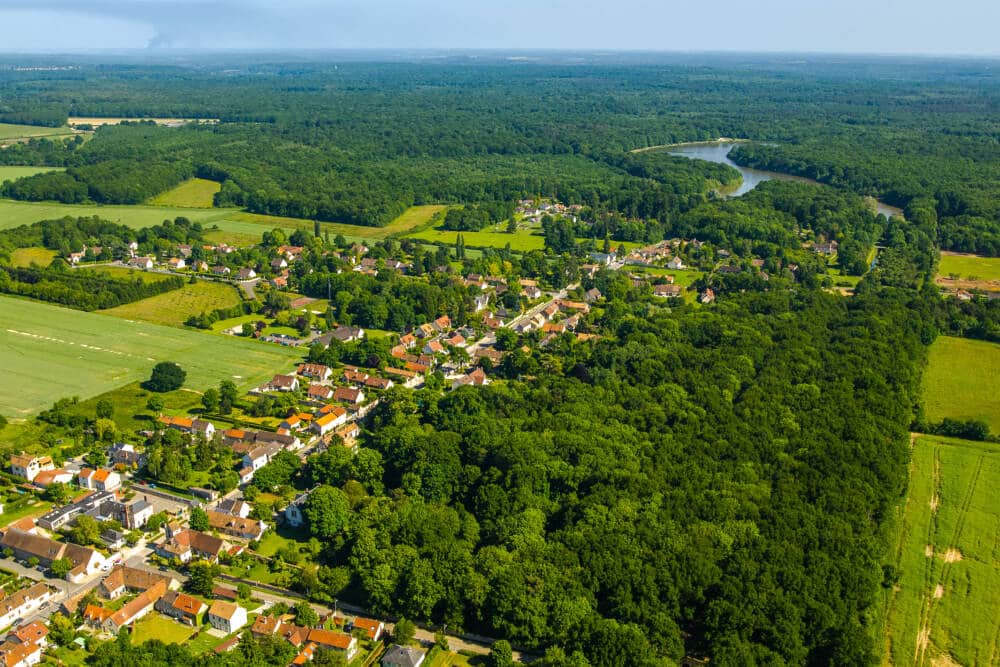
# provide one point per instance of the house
(458, 340)
(475, 378)
(185, 544)
(349, 395)
(259, 457)
(708, 296)
(378, 383)
(101, 479)
(176, 263)
(234, 507)
(315, 372)
(434, 347)
(144, 263)
(28, 466)
(408, 378)
(354, 375)
(330, 421)
(279, 263)
(26, 545)
(182, 607)
(348, 433)
(124, 579)
(244, 528)
(346, 334)
(603, 258)
(136, 514)
(592, 295)
(223, 593)
(826, 248)
(134, 609)
(23, 602)
(124, 454)
(676, 264)
(246, 273)
(408, 340)
(30, 634)
(279, 282)
(667, 291)
(284, 383)
(220, 270)
(46, 478)
(403, 656)
(426, 331)
(94, 616)
(185, 250)
(481, 302)
(442, 323)
(227, 616)
(293, 513)
(113, 539)
(15, 654)
(320, 392)
(372, 629)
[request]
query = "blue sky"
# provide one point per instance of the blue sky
(962, 27)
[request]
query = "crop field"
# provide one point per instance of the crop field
(175, 307)
(962, 381)
(943, 609)
(193, 193)
(14, 173)
(48, 352)
(29, 256)
(969, 267)
(12, 131)
(16, 213)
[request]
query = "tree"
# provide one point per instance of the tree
(210, 400)
(404, 631)
(60, 567)
(201, 577)
(305, 615)
(501, 654)
(57, 493)
(327, 510)
(512, 225)
(105, 409)
(155, 404)
(199, 519)
(62, 630)
(247, 330)
(441, 640)
(243, 591)
(86, 531)
(33, 561)
(228, 395)
(166, 376)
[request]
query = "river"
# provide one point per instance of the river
(718, 151)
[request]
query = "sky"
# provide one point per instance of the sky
(955, 27)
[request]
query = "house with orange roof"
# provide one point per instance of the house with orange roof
(28, 466)
(317, 372)
(47, 478)
(349, 395)
(320, 392)
(373, 629)
(335, 641)
(100, 479)
(329, 421)
(35, 633)
(134, 609)
(235, 526)
(182, 607)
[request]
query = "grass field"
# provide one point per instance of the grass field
(15, 213)
(494, 237)
(193, 193)
(130, 405)
(963, 381)
(125, 272)
(943, 611)
(29, 256)
(969, 267)
(14, 173)
(49, 352)
(173, 308)
(155, 626)
(12, 131)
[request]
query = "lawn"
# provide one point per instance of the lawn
(125, 272)
(155, 626)
(29, 256)
(14, 173)
(942, 611)
(11, 131)
(961, 381)
(49, 352)
(175, 307)
(273, 541)
(130, 405)
(193, 193)
(969, 267)
(36, 508)
(16, 213)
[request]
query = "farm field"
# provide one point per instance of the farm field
(29, 256)
(523, 239)
(193, 193)
(969, 267)
(50, 352)
(125, 272)
(13, 131)
(942, 610)
(14, 173)
(16, 213)
(175, 307)
(962, 381)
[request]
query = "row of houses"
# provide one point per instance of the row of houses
(132, 513)
(23, 646)
(27, 544)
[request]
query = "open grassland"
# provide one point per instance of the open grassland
(16, 213)
(175, 307)
(48, 352)
(969, 267)
(130, 401)
(14, 173)
(125, 272)
(491, 237)
(192, 193)
(943, 609)
(963, 381)
(156, 626)
(29, 256)
(12, 131)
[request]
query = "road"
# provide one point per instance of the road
(490, 338)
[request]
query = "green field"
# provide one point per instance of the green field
(943, 610)
(155, 626)
(130, 405)
(14, 173)
(192, 193)
(970, 267)
(125, 272)
(29, 256)
(173, 308)
(11, 131)
(50, 352)
(963, 381)
(495, 237)
(15, 213)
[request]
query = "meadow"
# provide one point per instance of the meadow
(491, 237)
(969, 267)
(175, 307)
(961, 381)
(29, 256)
(125, 272)
(14, 173)
(192, 193)
(16, 213)
(942, 610)
(13, 131)
(49, 353)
